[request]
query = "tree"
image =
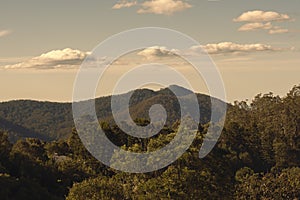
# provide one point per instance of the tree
(280, 185)
(96, 188)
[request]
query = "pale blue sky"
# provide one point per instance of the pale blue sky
(35, 27)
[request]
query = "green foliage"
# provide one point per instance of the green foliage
(256, 157)
(280, 185)
(97, 188)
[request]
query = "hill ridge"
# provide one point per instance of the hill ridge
(53, 120)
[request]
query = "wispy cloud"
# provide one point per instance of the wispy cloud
(263, 26)
(222, 48)
(160, 7)
(5, 32)
(256, 26)
(56, 59)
(261, 16)
(262, 20)
(68, 58)
(234, 48)
(124, 4)
(278, 30)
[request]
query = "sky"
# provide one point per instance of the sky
(255, 44)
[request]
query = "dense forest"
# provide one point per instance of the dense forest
(256, 157)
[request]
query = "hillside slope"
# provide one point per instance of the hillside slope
(52, 121)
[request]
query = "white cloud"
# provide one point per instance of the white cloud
(262, 20)
(56, 59)
(124, 4)
(71, 59)
(5, 33)
(256, 26)
(163, 7)
(222, 48)
(157, 52)
(233, 48)
(263, 26)
(261, 16)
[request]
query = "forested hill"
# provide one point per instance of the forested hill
(43, 120)
(52, 121)
(256, 157)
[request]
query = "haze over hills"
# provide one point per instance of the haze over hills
(53, 121)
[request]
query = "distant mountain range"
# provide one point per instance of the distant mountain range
(53, 121)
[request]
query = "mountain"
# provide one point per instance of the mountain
(180, 91)
(53, 121)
